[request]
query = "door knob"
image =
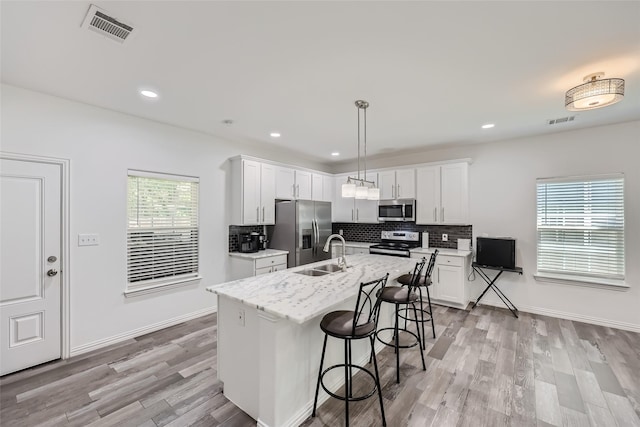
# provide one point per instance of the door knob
(52, 272)
(52, 259)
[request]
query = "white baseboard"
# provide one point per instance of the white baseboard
(570, 316)
(95, 345)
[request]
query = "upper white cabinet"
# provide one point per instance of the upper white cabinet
(293, 184)
(253, 192)
(321, 187)
(397, 184)
(442, 194)
(346, 209)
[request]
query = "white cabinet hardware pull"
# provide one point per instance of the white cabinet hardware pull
(257, 214)
(435, 214)
(442, 216)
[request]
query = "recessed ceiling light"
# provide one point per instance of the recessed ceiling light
(335, 153)
(488, 126)
(149, 93)
(274, 135)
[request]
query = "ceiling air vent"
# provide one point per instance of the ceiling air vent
(561, 120)
(97, 20)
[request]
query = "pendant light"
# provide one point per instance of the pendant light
(361, 188)
(596, 92)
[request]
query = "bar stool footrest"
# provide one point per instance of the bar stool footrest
(350, 399)
(392, 344)
(427, 313)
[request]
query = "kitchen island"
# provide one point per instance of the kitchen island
(269, 338)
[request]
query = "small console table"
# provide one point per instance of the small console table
(491, 284)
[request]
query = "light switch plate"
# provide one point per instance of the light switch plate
(88, 239)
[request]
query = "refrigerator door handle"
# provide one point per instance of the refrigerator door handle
(316, 236)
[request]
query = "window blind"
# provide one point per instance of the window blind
(580, 226)
(162, 232)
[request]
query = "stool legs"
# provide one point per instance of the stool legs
(375, 365)
(347, 382)
(315, 401)
(422, 319)
(433, 323)
(396, 339)
(415, 313)
(348, 378)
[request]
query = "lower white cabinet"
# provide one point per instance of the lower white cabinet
(449, 284)
(241, 267)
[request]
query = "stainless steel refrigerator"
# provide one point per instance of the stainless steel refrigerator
(302, 227)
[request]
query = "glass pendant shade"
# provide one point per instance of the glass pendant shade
(362, 192)
(595, 93)
(348, 190)
(374, 194)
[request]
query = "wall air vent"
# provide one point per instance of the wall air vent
(561, 120)
(98, 20)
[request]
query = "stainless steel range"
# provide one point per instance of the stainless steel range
(396, 243)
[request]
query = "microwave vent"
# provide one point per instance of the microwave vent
(99, 21)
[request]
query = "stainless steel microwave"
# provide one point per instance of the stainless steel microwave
(397, 210)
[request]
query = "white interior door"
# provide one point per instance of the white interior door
(30, 229)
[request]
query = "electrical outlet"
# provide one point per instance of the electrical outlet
(88, 239)
(340, 232)
(445, 237)
(241, 317)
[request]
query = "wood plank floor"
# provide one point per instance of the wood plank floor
(484, 368)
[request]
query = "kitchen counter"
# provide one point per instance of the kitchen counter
(260, 254)
(300, 298)
(441, 251)
(270, 341)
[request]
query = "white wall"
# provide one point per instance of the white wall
(502, 196)
(102, 145)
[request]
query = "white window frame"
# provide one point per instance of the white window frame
(568, 275)
(168, 224)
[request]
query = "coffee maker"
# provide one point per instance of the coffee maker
(248, 242)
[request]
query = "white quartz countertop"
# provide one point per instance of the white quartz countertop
(300, 298)
(260, 254)
(352, 244)
(441, 251)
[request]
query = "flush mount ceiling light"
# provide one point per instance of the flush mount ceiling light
(359, 187)
(335, 153)
(274, 135)
(488, 126)
(596, 92)
(148, 93)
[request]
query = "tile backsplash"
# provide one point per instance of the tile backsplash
(371, 232)
(234, 230)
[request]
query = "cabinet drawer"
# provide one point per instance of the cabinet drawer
(270, 261)
(263, 270)
(449, 260)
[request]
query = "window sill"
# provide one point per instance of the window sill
(618, 285)
(159, 287)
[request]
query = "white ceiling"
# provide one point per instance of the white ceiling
(433, 72)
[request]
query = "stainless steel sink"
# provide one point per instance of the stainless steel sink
(320, 270)
(331, 268)
(312, 272)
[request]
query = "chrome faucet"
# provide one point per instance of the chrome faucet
(342, 261)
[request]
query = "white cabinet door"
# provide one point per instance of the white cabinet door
(428, 195)
(303, 185)
(268, 193)
(250, 192)
(328, 188)
(366, 211)
(317, 187)
(450, 283)
(405, 184)
(442, 195)
(454, 194)
(342, 208)
(285, 183)
(387, 184)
